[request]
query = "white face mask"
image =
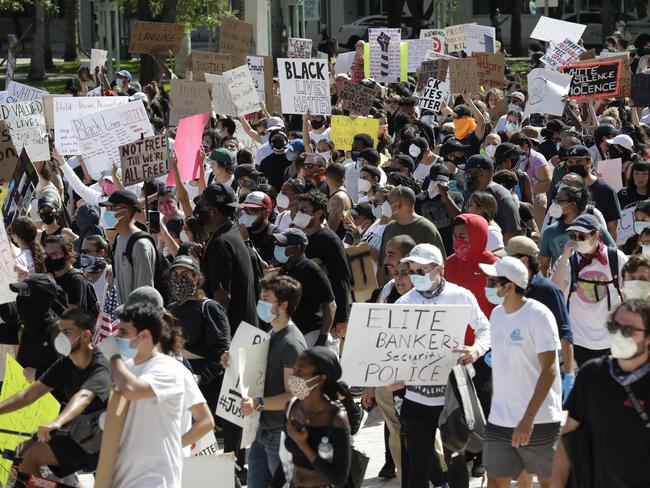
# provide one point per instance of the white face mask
(515, 107)
(584, 247)
(433, 190)
(184, 237)
(555, 210)
(636, 289)
(63, 345)
(247, 220)
(512, 127)
(640, 226)
(414, 150)
(422, 283)
(386, 209)
(645, 249)
(282, 200)
(363, 185)
(623, 347)
(490, 150)
(302, 220)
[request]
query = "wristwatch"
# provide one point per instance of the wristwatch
(260, 404)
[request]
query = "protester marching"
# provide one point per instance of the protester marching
(214, 278)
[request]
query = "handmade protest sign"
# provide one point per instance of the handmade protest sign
(299, 48)
(434, 93)
(256, 67)
(625, 79)
(20, 190)
(97, 58)
(48, 109)
(304, 86)
(343, 130)
(385, 53)
(625, 228)
(357, 98)
(252, 374)
(480, 38)
(186, 146)
(499, 109)
(222, 101)
(456, 37)
(599, 79)
(205, 446)
(100, 134)
(7, 268)
(198, 469)
(27, 419)
(235, 38)
(610, 171)
(641, 90)
(417, 51)
(242, 90)
(230, 395)
(363, 280)
(546, 92)
(17, 92)
(437, 36)
(245, 140)
(435, 68)
(207, 62)
(344, 62)
(188, 98)
(556, 30)
(156, 37)
(491, 68)
(562, 54)
(386, 344)
(463, 74)
(8, 154)
(26, 123)
(116, 411)
(67, 109)
(144, 159)
(311, 10)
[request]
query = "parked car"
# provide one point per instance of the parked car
(349, 34)
(593, 34)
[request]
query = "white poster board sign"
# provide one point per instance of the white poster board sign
(205, 446)
(437, 36)
(252, 374)
(344, 62)
(480, 39)
(197, 470)
(67, 109)
(222, 102)
(245, 140)
(242, 90)
(256, 67)
(26, 121)
(304, 86)
(556, 31)
(562, 54)
(433, 94)
(299, 48)
(386, 344)
(100, 134)
(417, 50)
(7, 272)
(97, 58)
(547, 89)
(610, 171)
(385, 53)
(625, 225)
(17, 92)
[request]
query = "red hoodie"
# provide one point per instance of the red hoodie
(466, 272)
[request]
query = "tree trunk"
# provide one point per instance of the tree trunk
(394, 12)
(149, 70)
(606, 18)
(641, 8)
(37, 64)
(72, 12)
(515, 28)
(417, 16)
(49, 62)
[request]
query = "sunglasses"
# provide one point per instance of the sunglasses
(493, 282)
(626, 330)
(579, 236)
(419, 272)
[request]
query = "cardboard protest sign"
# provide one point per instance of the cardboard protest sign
(67, 109)
(456, 37)
(17, 92)
(245, 140)
(144, 159)
(417, 51)
(435, 68)
(20, 190)
(27, 419)
(480, 38)
(156, 37)
(198, 469)
(95, 92)
(100, 134)
(230, 394)
(235, 38)
(491, 68)
(48, 109)
(625, 228)
(8, 154)
(343, 129)
(562, 54)
(116, 411)
(188, 140)
(207, 62)
(256, 67)
(610, 171)
(304, 86)
(252, 374)
(546, 91)
(242, 90)
(385, 53)
(463, 74)
(434, 93)
(599, 79)
(299, 48)
(501, 108)
(7, 267)
(589, 54)
(386, 344)
(188, 98)
(363, 280)
(437, 36)
(625, 79)
(641, 90)
(556, 30)
(356, 98)
(26, 123)
(97, 58)
(222, 102)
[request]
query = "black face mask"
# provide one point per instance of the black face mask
(317, 124)
(202, 216)
(577, 169)
(561, 153)
(459, 161)
(355, 155)
(54, 265)
(278, 144)
(47, 217)
(471, 182)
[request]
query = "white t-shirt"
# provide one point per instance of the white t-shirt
(495, 238)
(192, 397)
(517, 339)
(26, 260)
(317, 136)
(283, 221)
(150, 453)
(588, 315)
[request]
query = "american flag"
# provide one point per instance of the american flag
(107, 320)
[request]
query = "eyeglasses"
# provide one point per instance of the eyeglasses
(626, 330)
(560, 202)
(419, 272)
(579, 236)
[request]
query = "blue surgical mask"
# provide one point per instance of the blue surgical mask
(126, 351)
(264, 311)
(376, 211)
(280, 254)
(422, 283)
(493, 297)
(109, 219)
(640, 226)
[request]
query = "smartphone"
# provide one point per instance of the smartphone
(154, 222)
(297, 424)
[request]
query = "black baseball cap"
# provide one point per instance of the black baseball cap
(478, 161)
(291, 237)
(450, 145)
(586, 224)
(185, 262)
(122, 197)
(462, 110)
(362, 210)
(48, 199)
(556, 125)
(439, 172)
(506, 149)
(217, 194)
(578, 151)
(36, 283)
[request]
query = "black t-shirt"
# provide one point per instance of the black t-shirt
(436, 211)
(74, 284)
(316, 290)
(328, 248)
(548, 149)
(629, 196)
(67, 380)
(620, 442)
(264, 242)
(227, 265)
(605, 200)
(473, 142)
(273, 167)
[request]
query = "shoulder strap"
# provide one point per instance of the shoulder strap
(573, 271)
(131, 242)
(290, 404)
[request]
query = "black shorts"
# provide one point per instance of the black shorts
(71, 457)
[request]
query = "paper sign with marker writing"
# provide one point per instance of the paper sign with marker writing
(252, 374)
(480, 38)
(433, 94)
(599, 80)
(437, 36)
(562, 54)
(26, 121)
(385, 52)
(610, 171)
(343, 130)
(304, 86)
(386, 344)
(235, 38)
(8, 154)
(144, 159)
(344, 62)
(188, 140)
(207, 62)
(7, 272)
(222, 102)
(556, 31)
(546, 92)
(417, 51)
(256, 67)
(456, 37)
(205, 446)
(357, 98)
(463, 74)
(188, 98)
(97, 58)
(156, 37)
(245, 140)
(299, 48)
(17, 92)
(434, 68)
(625, 228)
(491, 68)
(242, 89)
(21, 189)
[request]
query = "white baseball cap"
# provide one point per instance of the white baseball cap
(509, 268)
(424, 254)
(622, 140)
(274, 122)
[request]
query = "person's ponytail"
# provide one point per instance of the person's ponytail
(171, 339)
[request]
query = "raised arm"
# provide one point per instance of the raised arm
(476, 113)
(305, 134)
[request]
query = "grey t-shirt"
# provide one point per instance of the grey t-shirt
(141, 273)
(507, 210)
(284, 348)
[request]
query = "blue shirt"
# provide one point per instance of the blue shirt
(548, 293)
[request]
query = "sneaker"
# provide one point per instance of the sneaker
(387, 472)
(478, 471)
(362, 421)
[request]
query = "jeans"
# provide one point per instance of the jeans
(263, 458)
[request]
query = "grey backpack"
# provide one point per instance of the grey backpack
(462, 423)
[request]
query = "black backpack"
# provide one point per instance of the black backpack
(162, 264)
(90, 300)
(612, 259)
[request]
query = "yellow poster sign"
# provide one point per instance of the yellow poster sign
(343, 130)
(27, 419)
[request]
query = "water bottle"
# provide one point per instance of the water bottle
(325, 450)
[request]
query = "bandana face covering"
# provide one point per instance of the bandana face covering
(463, 127)
(183, 287)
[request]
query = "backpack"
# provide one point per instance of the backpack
(462, 423)
(612, 259)
(161, 266)
(90, 301)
